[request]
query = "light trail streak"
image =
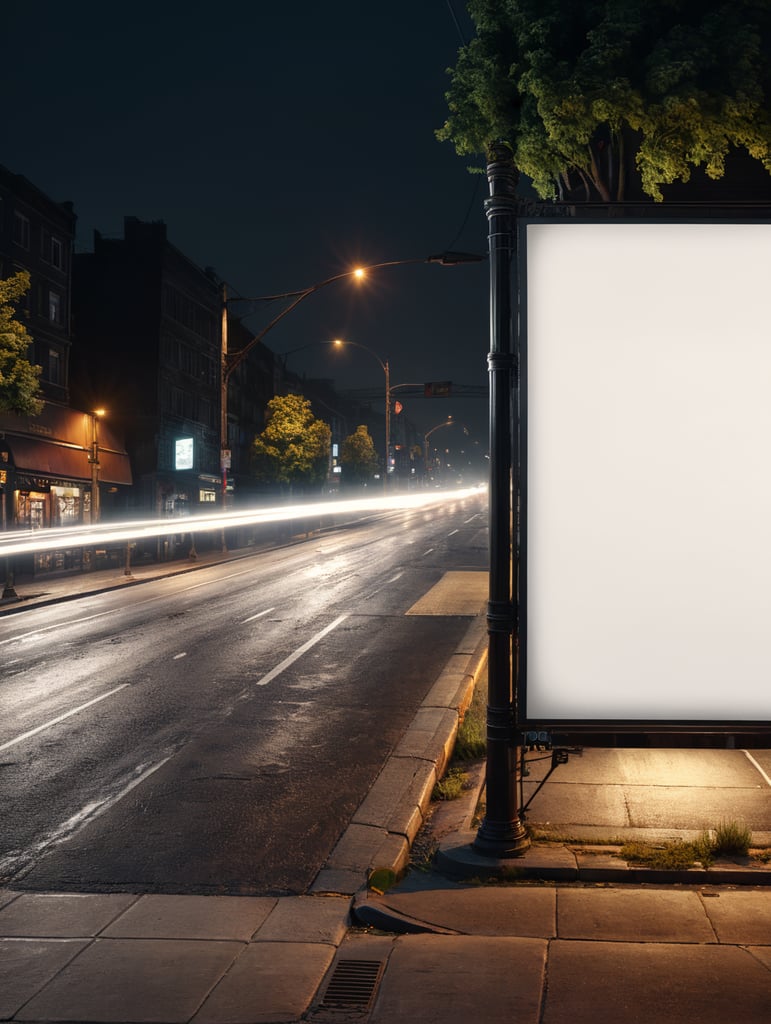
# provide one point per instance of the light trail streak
(19, 542)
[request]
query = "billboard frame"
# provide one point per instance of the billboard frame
(525, 650)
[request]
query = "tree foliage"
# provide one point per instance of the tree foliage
(566, 86)
(294, 447)
(358, 457)
(19, 379)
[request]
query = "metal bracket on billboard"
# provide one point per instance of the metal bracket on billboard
(538, 740)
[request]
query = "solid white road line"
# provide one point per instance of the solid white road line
(61, 718)
(300, 651)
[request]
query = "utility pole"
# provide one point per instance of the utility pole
(224, 377)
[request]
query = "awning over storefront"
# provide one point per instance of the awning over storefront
(61, 460)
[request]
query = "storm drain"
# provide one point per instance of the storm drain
(352, 984)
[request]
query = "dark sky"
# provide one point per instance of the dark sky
(281, 143)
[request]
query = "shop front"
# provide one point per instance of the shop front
(50, 468)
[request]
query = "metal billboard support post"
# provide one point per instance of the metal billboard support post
(501, 833)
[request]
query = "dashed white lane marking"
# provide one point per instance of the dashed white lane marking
(20, 859)
(61, 718)
(749, 755)
(300, 651)
(259, 615)
(182, 654)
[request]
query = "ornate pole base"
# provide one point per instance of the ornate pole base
(501, 839)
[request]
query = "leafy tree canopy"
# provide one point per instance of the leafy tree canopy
(19, 379)
(565, 85)
(294, 447)
(358, 456)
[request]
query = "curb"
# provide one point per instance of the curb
(384, 827)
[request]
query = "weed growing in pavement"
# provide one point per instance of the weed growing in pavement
(732, 839)
(674, 856)
(470, 745)
(451, 786)
(471, 741)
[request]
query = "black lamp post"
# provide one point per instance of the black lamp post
(502, 833)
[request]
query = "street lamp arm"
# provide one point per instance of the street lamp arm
(356, 344)
(445, 259)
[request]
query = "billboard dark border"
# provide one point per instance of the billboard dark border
(640, 341)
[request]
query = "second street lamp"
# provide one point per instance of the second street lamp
(386, 370)
(447, 423)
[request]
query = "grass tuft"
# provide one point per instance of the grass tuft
(471, 741)
(451, 786)
(732, 839)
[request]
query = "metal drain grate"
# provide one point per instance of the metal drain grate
(353, 984)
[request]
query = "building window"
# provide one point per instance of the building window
(206, 496)
(54, 307)
(54, 366)
(57, 253)
(21, 229)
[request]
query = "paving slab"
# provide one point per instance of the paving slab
(192, 917)
(26, 965)
(307, 919)
(62, 915)
(762, 954)
(739, 917)
(139, 980)
(437, 979)
(270, 981)
(601, 808)
(656, 806)
(659, 982)
(637, 915)
(481, 911)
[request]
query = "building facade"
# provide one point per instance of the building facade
(51, 463)
(147, 347)
(36, 235)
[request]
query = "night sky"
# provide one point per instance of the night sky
(281, 143)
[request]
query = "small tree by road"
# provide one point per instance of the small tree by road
(19, 379)
(358, 457)
(584, 95)
(293, 449)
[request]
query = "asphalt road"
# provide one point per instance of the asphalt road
(215, 732)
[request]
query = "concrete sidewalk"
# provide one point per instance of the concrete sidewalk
(582, 936)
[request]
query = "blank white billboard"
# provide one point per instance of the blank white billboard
(646, 352)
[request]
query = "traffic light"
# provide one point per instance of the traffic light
(437, 389)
